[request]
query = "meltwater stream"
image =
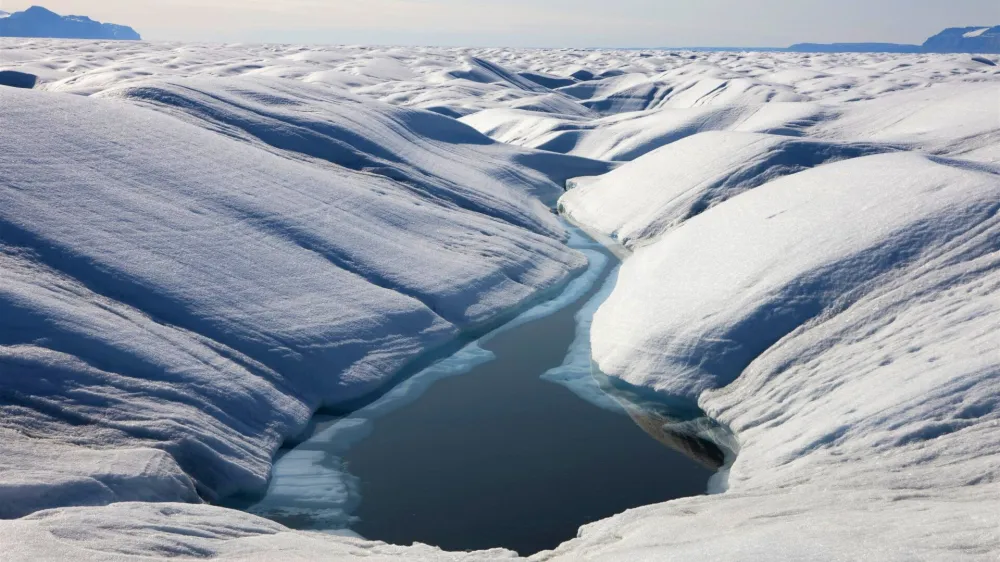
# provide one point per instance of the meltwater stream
(508, 443)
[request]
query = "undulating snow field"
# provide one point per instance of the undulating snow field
(202, 244)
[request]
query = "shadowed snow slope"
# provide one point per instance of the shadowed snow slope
(630, 135)
(207, 242)
(186, 291)
(406, 145)
(807, 242)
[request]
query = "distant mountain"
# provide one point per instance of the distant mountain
(975, 40)
(724, 49)
(965, 40)
(855, 48)
(39, 22)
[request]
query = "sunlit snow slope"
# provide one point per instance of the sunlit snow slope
(201, 244)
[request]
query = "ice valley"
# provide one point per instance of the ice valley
(203, 245)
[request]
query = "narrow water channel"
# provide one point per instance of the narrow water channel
(495, 457)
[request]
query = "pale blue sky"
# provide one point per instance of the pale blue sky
(571, 23)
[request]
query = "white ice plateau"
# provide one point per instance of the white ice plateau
(201, 245)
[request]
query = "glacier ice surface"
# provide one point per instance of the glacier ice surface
(201, 244)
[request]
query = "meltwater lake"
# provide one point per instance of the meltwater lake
(507, 443)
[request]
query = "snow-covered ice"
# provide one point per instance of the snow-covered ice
(201, 244)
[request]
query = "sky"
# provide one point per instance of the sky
(535, 23)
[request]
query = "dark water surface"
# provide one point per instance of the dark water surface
(499, 457)
(496, 456)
